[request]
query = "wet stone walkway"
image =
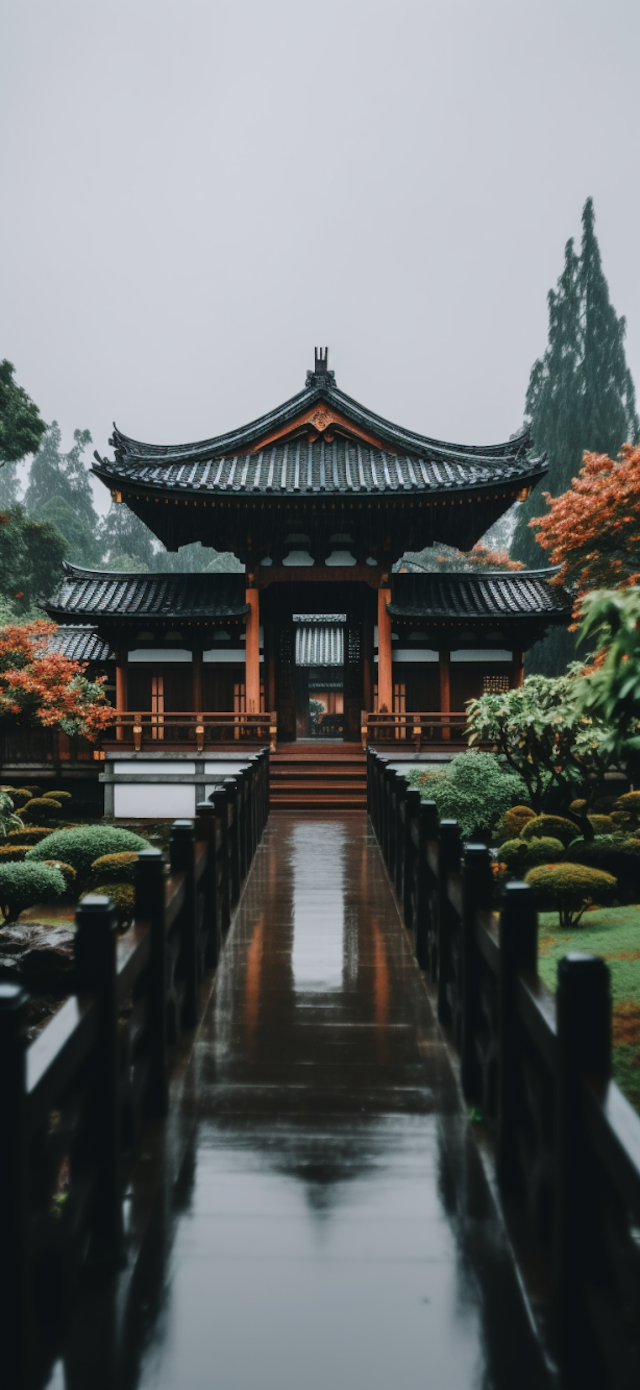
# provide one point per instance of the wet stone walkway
(334, 1228)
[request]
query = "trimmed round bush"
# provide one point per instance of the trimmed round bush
(513, 821)
(630, 801)
(578, 806)
(571, 888)
(622, 819)
(42, 806)
(123, 896)
(557, 826)
(12, 852)
(20, 797)
(476, 790)
(617, 854)
(30, 834)
(119, 867)
(23, 885)
(67, 870)
(520, 855)
(85, 843)
(603, 825)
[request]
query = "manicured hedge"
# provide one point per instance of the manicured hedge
(85, 843)
(119, 867)
(520, 855)
(23, 885)
(571, 888)
(123, 898)
(557, 826)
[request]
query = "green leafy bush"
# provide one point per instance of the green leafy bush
(12, 852)
(630, 803)
(22, 885)
(602, 825)
(520, 855)
(476, 790)
(123, 898)
(57, 796)
(42, 806)
(82, 845)
(617, 854)
(8, 818)
(513, 822)
(557, 826)
(571, 889)
(119, 867)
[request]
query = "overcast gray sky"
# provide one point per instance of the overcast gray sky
(195, 193)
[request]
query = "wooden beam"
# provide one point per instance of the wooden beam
(385, 656)
(252, 653)
(444, 657)
(518, 670)
(121, 690)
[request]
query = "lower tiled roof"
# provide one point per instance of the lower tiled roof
(79, 643)
(99, 594)
(499, 594)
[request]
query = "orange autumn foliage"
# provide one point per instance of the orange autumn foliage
(41, 686)
(593, 530)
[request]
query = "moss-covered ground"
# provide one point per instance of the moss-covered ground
(614, 934)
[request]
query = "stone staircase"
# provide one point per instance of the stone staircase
(315, 776)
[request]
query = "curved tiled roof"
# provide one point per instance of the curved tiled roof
(496, 595)
(319, 646)
(81, 643)
(98, 594)
(234, 462)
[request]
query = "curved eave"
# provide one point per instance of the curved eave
(238, 441)
(114, 606)
(527, 475)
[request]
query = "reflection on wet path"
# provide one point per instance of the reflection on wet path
(334, 1228)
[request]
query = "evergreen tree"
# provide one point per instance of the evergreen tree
(580, 396)
(31, 555)
(59, 492)
(127, 544)
(21, 425)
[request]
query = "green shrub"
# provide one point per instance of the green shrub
(43, 806)
(20, 797)
(67, 870)
(602, 825)
(520, 855)
(119, 867)
(513, 821)
(616, 854)
(557, 826)
(30, 834)
(58, 796)
(23, 885)
(571, 888)
(82, 845)
(630, 802)
(12, 852)
(578, 806)
(123, 898)
(622, 820)
(475, 790)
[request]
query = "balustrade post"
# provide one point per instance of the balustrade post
(478, 883)
(95, 966)
(233, 797)
(400, 790)
(518, 952)
(409, 875)
(223, 861)
(584, 1049)
(150, 906)
(182, 861)
(449, 853)
(14, 1185)
(428, 827)
(207, 831)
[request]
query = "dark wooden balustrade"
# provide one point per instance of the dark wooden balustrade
(537, 1069)
(74, 1104)
(414, 728)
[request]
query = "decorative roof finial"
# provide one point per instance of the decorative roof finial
(322, 361)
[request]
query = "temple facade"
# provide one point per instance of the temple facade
(319, 500)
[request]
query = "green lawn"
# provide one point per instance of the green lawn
(614, 934)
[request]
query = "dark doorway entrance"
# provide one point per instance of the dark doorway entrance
(319, 674)
(317, 636)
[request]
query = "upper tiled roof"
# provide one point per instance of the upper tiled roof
(97, 593)
(498, 594)
(81, 643)
(375, 455)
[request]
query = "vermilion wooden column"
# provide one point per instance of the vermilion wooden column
(252, 653)
(121, 690)
(197, 680)
(385, 658)
(445, 687)
(518, 669)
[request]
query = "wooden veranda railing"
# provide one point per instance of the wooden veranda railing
(76, 1103)
(417, 728)
(145, 729)
(536, 1069)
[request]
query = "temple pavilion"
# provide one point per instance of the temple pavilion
(319, 500)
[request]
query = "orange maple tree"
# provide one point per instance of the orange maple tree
(38, 685)
(592, 531)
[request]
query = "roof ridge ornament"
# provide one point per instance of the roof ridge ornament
(321, 375)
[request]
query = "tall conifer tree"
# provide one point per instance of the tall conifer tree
(580, 396)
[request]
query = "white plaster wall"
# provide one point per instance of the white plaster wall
(154, 801)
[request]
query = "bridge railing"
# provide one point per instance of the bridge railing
(536, 1070)
(75, 1103)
